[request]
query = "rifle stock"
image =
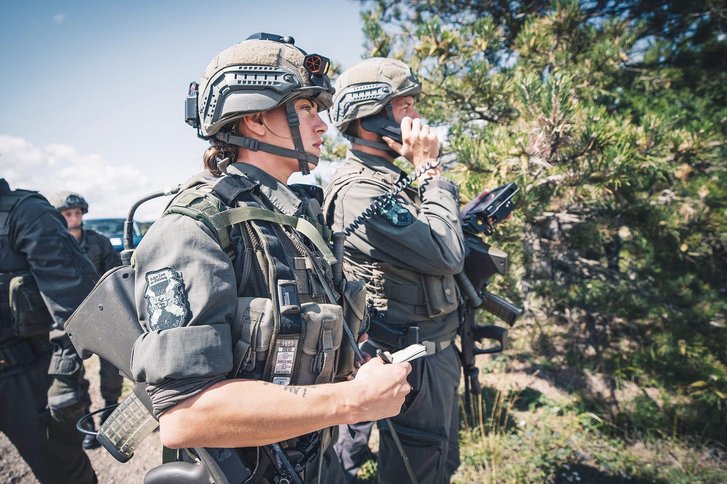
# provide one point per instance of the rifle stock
(481, 263)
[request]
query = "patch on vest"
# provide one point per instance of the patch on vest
(397, 215)
(166, 300)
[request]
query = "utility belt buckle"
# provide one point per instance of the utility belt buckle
(435, 346)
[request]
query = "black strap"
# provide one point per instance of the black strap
(231, 188)
(241, 190)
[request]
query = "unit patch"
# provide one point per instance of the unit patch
(166, 299)
(397, 215)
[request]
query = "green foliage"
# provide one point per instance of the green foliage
(611, 117)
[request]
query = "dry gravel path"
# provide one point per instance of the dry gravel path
(13, 469)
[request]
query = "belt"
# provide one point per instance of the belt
(436, 346)
(386, 338)
(431, 346)
(21, 353)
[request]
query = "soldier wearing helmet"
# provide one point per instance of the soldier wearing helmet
(243, 338)
(407, 248)
(98, 248)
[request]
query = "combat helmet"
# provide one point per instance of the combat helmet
(367, 89)
(257, 75)
(66, 200)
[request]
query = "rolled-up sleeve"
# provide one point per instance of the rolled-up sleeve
(186, 296)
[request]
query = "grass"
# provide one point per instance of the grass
(544, 416)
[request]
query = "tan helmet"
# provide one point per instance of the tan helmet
(366, 88)
(257, 75)
(66, 200)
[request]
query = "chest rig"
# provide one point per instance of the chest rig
(286, 332)
(398, 298)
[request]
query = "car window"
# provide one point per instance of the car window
(110, 227)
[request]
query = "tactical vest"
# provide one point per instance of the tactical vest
(286, 329)
(91, 244)
(22, 310)
(396, 296)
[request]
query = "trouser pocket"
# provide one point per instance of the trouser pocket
(425, 451)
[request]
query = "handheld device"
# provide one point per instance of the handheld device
(488, 208)
(411, 352)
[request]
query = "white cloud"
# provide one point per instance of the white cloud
(59, 18)
(111, 189)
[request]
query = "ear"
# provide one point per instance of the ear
(253, 124)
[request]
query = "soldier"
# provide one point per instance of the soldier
(407, 249)
(98, 248)
(43, 277)
(233, 281)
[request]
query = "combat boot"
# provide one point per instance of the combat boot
(89, 441)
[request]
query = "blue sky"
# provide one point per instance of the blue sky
(92, 92)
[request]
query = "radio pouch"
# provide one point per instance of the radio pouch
(29, 312)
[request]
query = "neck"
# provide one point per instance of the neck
(276, 166)
(76, 233)
(373, 151)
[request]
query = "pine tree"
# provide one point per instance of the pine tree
(611, 117)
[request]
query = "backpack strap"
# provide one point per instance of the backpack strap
(8, 202)
(201, 204)
(238, 215)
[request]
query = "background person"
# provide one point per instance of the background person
(98, 248)
(43, 277)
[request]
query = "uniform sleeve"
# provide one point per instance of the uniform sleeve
(186, 296)
(63, 274)
(109, 257)
(429, 240)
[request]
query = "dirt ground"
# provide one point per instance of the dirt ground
(13, 469)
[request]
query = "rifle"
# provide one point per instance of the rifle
(481, 263)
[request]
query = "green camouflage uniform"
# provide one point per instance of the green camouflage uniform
(408, 253)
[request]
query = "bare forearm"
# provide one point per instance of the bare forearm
(245, 413)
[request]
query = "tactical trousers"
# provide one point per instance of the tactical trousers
(111, 382)
(51, 449)
(428, 427)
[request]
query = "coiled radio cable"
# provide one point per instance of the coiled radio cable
(382, 200)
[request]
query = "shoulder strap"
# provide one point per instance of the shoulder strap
(201, 204)
(238, 215)
(340, 181)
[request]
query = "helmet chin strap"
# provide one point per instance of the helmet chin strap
(298, 153)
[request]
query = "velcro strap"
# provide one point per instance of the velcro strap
(328, 356)
(230, 187)
(244, 214)
(413, 295)
(179, 353)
